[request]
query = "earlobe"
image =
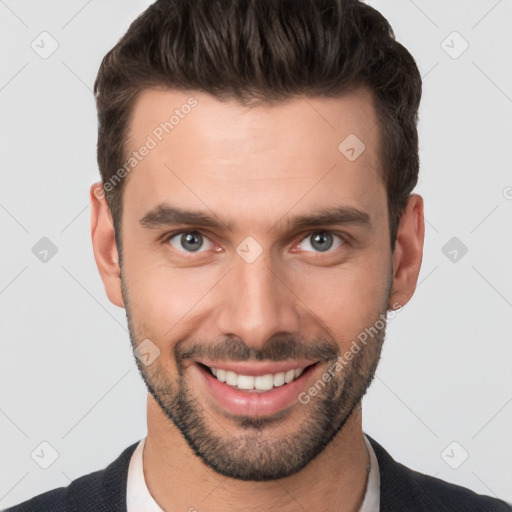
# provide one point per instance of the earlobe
(408, 252)
(104, 245)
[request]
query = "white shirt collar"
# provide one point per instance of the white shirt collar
(138, 498)
(371, 501)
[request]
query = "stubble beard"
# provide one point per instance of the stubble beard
(257, 452)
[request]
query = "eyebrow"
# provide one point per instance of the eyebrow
(165, 215)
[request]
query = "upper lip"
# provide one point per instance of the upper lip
(256, 368)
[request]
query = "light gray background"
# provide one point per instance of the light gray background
(67, 373)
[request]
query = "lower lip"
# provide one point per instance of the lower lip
(255, 403)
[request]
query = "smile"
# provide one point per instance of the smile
(259, 382)
(254, 389)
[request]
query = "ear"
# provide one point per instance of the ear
(408, 252)
(104, 245)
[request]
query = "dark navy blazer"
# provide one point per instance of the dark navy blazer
(401, 489)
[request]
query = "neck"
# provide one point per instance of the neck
(178, 480)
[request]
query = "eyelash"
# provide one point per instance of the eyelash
(166, 238)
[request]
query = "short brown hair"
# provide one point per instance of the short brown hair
(264, 51)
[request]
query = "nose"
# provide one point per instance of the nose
(258, 302)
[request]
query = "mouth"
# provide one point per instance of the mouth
(255, 389)
(255, 383)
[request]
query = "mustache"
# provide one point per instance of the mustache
(278, 348)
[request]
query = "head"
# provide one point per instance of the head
(257, 163)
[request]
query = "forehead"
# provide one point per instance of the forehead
(222, 156)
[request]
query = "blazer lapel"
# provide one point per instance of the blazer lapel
(399, 490)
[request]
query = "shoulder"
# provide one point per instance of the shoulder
(101, 491)
(405, 489)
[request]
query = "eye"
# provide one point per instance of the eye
(320, 241)
(189, 241)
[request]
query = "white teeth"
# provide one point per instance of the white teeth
(289, 376)
(260, 382)
(278, 379)
(245, 382)
(263, 382)
(298, 372)
(231, 378)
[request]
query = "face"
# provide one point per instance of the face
(256, 254)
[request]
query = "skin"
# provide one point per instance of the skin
(253, 167)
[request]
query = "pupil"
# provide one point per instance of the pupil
(191, 241)
(322, 238)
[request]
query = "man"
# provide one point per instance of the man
(256, 220)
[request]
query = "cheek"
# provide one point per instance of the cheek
(177, 293)
(163, 304)
(164, 299)
(348, 298)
